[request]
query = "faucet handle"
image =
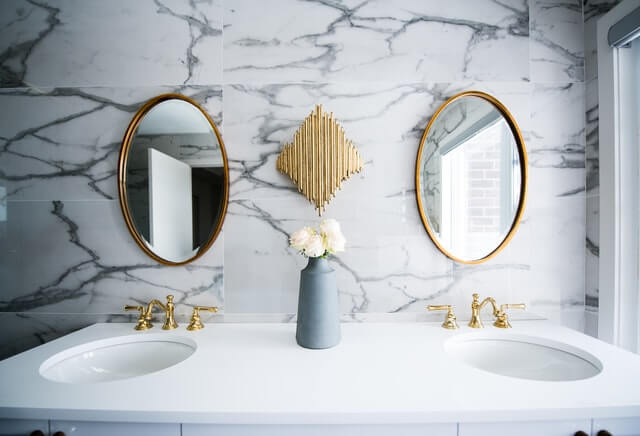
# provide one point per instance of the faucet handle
(130, 307)
(143, 323)
(196, 322)
(450, 319)
(502, 320)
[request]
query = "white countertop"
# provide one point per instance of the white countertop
(380, 373)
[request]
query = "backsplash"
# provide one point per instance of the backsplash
(73, 73)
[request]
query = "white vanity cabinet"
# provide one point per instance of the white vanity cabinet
(526, 428)
(20, 427)
(87, 428)
(615, 427)
(321, 430)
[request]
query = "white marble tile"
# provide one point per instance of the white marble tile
(591, 135)
(22, 331)
(551, 243)
(592, 249)
(409, 40)
(382, 67)
(592, 279)
(78, 257)
(392, 266)
(72, 43)
(557, 43)
(556, 148)
(495, 277)
(380, 119)
(385, 121)
(593, 224)
(593, 10)
(590, 50)
(63, 143)
(389, 265)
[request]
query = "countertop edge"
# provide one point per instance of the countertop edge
(311, 418)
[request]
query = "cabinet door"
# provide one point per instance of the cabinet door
(81, 428)
(320, 430)
(618, 426)
(23, 427)
(530, 428)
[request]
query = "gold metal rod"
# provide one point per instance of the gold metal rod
(440, 307)
(319, 158)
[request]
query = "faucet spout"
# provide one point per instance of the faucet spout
(476, 307)
(146, 314)
(152, 303)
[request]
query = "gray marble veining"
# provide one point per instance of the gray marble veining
(593, 9)
(375, 40)
(28, 329)
(557, 46)
(77, 257)
(70, 43)
(591, 136)
(63, 143)
(385, 120)
(557, 144)
(74, 72)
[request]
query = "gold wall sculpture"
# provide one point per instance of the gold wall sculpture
(319, 158)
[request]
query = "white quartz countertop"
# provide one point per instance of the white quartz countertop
(379, 373)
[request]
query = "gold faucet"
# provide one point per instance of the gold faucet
(144, 320)
(476, 307)
(502, 321)
(449, 319)
(196, 322)
(170, 320)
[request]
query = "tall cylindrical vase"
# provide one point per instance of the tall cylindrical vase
(318, 306)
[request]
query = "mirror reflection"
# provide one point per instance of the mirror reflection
(470, 177)
(175, 181)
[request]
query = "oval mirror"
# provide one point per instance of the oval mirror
(471, 177)
(173, 179)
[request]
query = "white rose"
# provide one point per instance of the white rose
(315, 247)
(330, 227)
(335, 242)
(301, 238)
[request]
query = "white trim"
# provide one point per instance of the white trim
(618, 286)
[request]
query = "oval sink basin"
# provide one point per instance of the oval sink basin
(116, 358)
(525, 357)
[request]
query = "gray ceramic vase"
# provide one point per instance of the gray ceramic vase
(318, 306)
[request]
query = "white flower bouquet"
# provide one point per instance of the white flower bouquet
(328, 239)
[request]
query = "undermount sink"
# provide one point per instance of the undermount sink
(525, 357)
(116, 358)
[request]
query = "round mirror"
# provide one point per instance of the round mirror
(471, 177)
(173, 179)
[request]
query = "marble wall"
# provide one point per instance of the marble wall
(593, 9)
(73, 72)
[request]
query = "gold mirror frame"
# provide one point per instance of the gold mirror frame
(522, 153)
(122, 177)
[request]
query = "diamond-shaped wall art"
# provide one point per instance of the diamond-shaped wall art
(319, 158)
